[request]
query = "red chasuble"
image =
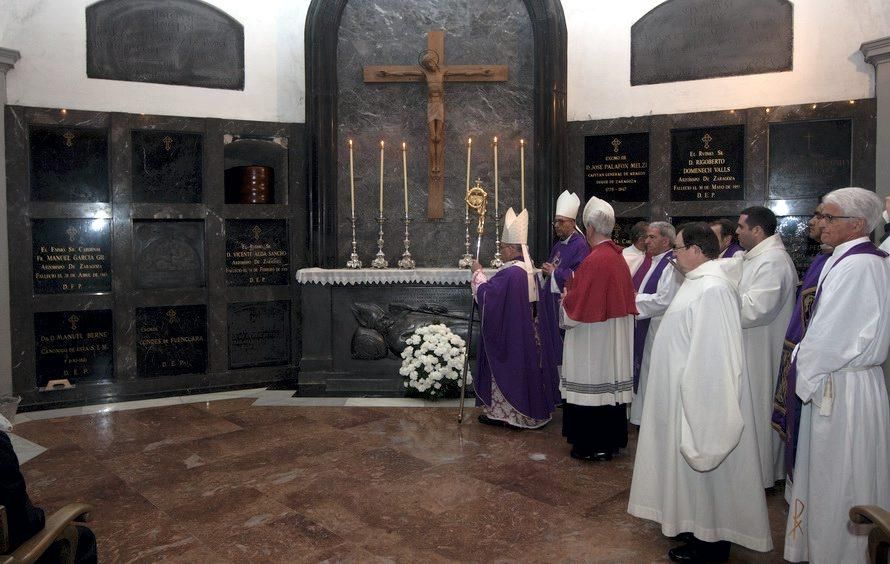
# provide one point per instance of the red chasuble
(601, 288)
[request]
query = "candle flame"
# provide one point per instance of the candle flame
(522, 141)
(350, 142)
(495, 140)
(470, 141)
(404, 145)
(381, 143)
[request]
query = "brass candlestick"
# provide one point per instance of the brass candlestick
(380, 260)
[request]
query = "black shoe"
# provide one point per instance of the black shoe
(486, 420)
(684, 538)
(699, 552)
(580, 455)
(603, 456)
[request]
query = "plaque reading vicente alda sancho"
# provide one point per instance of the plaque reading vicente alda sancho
(616, 167)
(256, 252)
(71, 255)
(73, 346)
(708, 164)
(171, 340)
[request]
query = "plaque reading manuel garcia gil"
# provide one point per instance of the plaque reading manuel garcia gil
(708, 164)
(616, 167)
(71, 255)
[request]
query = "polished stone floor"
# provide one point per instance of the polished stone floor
(263, 477)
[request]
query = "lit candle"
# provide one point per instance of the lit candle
(405, 173)
(496, 214)
(381, 178)
(351, 182)
(522, 171)
(469, 151)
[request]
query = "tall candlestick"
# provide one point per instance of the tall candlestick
(522, 171)
(405, 173)
(381, 178)
(496, 177)
(351, 182)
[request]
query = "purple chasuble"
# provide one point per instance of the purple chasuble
(508, 351)
(641, 326)
(731, 250)
(566, 256)
(786, 405)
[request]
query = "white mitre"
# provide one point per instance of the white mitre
(595, 205)
(516, 233)
(515, 228)
(567, 205)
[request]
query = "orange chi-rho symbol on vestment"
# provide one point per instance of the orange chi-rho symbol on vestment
(797, 519)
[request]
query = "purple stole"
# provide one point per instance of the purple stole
(732, 249)
(638, 276)
(641, 326)
(786, 404)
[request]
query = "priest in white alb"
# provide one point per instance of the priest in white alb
(657, 289)
(843, 446)
(635, 254)
(769, 282)
(697, 471)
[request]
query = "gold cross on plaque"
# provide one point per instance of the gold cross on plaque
(616, 143)
(431, 68)
(73, 321)
(168, 142)
(171, 316)
(69, 138)
(707, 140)
(257, 231)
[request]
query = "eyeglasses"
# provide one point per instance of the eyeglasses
(676, 248)
(830, 218)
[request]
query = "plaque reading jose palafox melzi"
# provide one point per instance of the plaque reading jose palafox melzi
(616, 167)
(74, 346)
(708, 164)
(71, 255)
(171, 340)
(257, 252)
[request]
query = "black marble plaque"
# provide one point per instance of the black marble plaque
(184, 42)
(71, 255)
(621, 233)
(807, 159)
(794, 231)
(69, 164)
(257, 252)
(616, 167)
(171, 340)
(169, 253)
(167, 167)
(694, 39)
(708, 164)
(74, 345)
(259, 334)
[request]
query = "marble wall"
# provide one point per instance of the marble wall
(394, 32)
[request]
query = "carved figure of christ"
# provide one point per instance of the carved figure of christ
(433, 70)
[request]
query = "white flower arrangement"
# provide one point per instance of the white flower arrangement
(433, 361)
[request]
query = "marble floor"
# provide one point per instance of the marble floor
(259, 476)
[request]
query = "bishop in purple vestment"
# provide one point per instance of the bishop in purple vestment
(510, 381)
(565, 257)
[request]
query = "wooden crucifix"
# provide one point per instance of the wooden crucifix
(431, 68)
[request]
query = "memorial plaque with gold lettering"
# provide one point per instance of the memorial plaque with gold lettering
(171, 340)
(74, 345)
(169, 253)
(259, 334)
(257, 252)
(708, 164)
(167, 167)
(616, 167)
(808, 159)
(69, 164)
(71, 255)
